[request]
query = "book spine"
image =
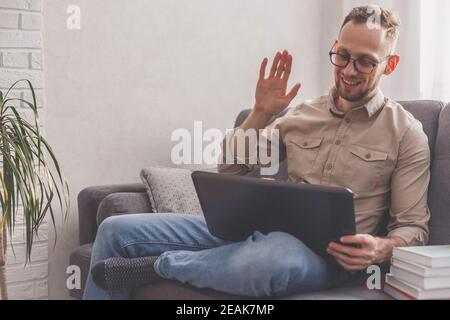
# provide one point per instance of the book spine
(396, 293)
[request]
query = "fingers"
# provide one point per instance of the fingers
(356, 239)
(350, 267)
(282, 65)
(349, 263)
(293, 93)
(349, 250)
(287, 68)
(350, 260)
(262, 71)
(276, 60)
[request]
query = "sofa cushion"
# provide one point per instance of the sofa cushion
(81, 257)
(173, 290)
(123, 203)
(356, 292)
(171, 190)
(88, 201)
(439, 199)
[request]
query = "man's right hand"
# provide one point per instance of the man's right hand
(271, 97)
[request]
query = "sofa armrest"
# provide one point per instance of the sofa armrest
(123, 203)
(88, 201)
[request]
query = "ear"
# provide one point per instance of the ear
(392, 64)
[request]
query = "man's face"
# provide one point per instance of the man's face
(358, 41)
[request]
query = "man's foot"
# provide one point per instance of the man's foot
(123, 274)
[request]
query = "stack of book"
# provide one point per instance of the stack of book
(419, 273)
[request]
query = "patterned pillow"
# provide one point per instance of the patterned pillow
(171, 190)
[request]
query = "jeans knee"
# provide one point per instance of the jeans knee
(267, 278)
(111, 230)
(282, 238)
(108, 226)
(277, 261)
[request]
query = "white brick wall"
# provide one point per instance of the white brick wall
(21, 47)
(15, 59)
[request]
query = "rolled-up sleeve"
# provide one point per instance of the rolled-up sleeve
(249, 162)
(236, 166)
(409, 212)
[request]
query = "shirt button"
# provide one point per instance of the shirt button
(348, 120)
(329, 166)
(305, 144)
(338, 142)
(368, 156)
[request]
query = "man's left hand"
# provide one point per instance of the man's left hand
(370, 250)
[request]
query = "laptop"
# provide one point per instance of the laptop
(235, 207)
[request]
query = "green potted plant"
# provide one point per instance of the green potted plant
(30, 176)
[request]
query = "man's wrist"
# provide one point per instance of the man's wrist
(256, 120)
(386, 246)
(261, 115)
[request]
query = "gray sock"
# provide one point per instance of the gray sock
(123, 274)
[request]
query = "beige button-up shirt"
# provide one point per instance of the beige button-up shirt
(378, 150)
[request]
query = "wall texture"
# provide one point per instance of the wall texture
(21, 50)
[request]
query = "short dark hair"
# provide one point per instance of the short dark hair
(390, 21)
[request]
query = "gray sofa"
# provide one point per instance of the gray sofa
(97, 203)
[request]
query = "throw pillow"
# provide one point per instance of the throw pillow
(171, 190)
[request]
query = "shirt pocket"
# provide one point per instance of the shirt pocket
(364, 169)
(302, 153)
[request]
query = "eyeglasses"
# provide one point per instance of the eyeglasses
(362, 65)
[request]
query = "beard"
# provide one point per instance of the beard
(358, 95)
(352, 97)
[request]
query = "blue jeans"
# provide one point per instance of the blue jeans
(261, 266)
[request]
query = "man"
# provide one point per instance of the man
(352, 137)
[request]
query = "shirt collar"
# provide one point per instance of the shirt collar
(372, 106)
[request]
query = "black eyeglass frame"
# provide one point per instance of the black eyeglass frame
(349, 59)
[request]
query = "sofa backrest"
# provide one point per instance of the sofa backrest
(435, 118)
(439, 191)
(427, 112)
